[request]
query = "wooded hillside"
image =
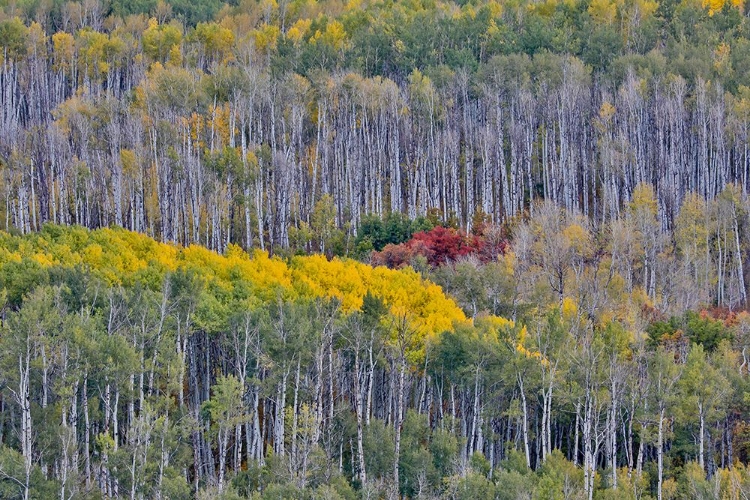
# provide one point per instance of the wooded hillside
(131, 367)
(136, 369)
(233, 123)
(558, 191)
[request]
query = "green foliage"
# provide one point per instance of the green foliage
(706, 331)
(693, 483)
(698, 328)
(281, 492)
(375, 233)
(192, 13)
(513, 484)
(515, 462)
(176, 345)
(475, 486)
(559, 478)
(416, 467)
(12, 38)
(379, 449)
(18, 279)
(444, 447)
(225, 406)
(13, 474)
(159, 41)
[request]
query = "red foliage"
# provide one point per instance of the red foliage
(441, 245)
(720, 313)
(393, 256)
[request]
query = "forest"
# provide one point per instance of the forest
(426, 249)
(563, 362)
(200, 122)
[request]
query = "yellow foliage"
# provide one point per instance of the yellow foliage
(498, 322)
(607, 111)
(468, 12)
(669, 489)
(92, 255)
(265, 37)
(493, 328)
(525, 351)
(268, 5)
(405, 290)
(646, 8)
(334, 35)
(509, 262)
(713, 6)
(569, 308)
(122, 257)
(546, 8)
(63, 46)
(496, 9)
(603, 11)
(721, 57)
(175, 56)
(644, 199)
(220, 119)
(162, 42)
(9, 256)
(691, 231)
(37, 38)
(43, 259)
(577, 237)
(492, 30)
(344, 280)
(641, 299)
(96, 51)
(129, 162)
(217, 40)
(298, 30)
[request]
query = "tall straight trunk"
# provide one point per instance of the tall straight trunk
(257, 443)
(399, 418)
(631, 418)
(278, 433)
(525, 430)
(590, 442)
(475, 415)
(224, 432)
(358, 411)
(738, 253)
(295, 418)
(87, 431)
(660, 454)
(453, 408)
(331, 392)
(318, 392)
(613, 434)
(701, 438)
(547, 417)
(576, 451)
(370, 382)
(22, 397)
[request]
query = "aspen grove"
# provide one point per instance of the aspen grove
(425, 249)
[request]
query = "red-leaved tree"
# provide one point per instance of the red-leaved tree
(441, 245)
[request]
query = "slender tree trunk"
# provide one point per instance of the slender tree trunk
(358, 411)
(701, 438)
(660, 454)
(399, 418)
(525, 410)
